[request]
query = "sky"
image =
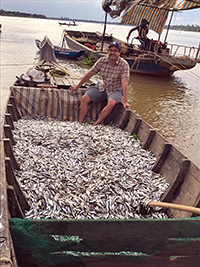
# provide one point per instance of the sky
(82, 9)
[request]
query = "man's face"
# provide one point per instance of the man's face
(113, 53)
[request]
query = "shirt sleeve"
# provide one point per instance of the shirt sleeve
(126, 71)
(96, 67)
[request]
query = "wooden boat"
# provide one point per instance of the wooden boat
(113, 242)
(71, 23)
(140, 62)
(64, 52)
(163, 61)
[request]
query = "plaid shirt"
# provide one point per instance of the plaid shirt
(112, 75)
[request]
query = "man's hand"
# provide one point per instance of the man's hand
(73, 88)
(126, 105)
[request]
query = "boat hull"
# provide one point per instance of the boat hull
(64, 52)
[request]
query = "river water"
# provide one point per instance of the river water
(170, 105)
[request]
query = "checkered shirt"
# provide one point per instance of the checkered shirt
(112, 75)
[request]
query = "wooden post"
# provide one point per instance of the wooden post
(104, 31)
(197, 53)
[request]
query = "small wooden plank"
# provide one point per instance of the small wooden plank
(126, 119)
(116, 116)
(137, 126)
(9, 134)
(173, 190)
(10, 110)
(131, 123)
(13, 203)
(157, 145)
(162, 158)
(13, 181)
(15, 108)
(149, 139)
(9, 120)
(9, 153)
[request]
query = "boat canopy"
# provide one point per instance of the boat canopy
(154, 11)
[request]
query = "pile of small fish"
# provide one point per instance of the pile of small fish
(71, 170)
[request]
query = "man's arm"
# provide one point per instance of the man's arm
(85, 78)
(125, 93)
(131, 32)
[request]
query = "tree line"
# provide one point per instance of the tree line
(194, 28)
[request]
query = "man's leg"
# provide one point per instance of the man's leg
(106, 111)
(85, 100)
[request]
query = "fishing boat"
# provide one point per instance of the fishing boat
(90, 242)
(63, 52)
(71, 23)
(163, 60)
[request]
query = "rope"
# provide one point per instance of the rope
(6, 260)
(196, 76)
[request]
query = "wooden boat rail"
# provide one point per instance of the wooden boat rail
(189, 52)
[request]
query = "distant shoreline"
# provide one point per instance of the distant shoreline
(193, 28)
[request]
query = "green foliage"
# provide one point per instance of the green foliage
(192, 28)
(20, 14)
(88, 61)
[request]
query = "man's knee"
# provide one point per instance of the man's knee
(85, 99)
(111, 102)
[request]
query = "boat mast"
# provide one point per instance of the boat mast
(169, 26)
(104, 31)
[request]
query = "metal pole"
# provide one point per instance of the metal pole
(168, 26)
(104, 31)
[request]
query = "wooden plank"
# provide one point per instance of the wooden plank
(131, 123)
(162, 158)
(174, 188)
(126, 119)
(12, 181)
(9, 134)
(9, 120)
(9, 153)
(143, 131)
(157, 145)
(13, 203)
(10, 110)
(15, 108)
(149, 139)
(116, 116)
(137, 126)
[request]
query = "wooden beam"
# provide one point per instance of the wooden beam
(9, 120)
(10, 110)
(13, 203)
(149, 139)
(173, 190)
(9, 153)
(137, 126)
(13, 181)
(9, 134)
(15, 108)
(162, 158)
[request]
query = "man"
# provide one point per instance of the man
(143, 30)
(115, 74)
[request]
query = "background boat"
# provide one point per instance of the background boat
(71, 23)
(64, 52)
(141, 62)
(98, 242)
